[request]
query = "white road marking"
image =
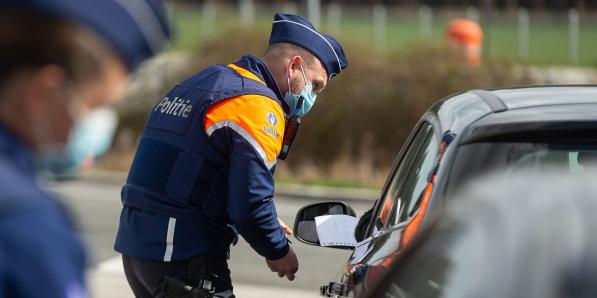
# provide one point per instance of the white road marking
(112, 265)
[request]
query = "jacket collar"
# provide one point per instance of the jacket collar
(258, 68)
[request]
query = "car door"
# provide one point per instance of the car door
(394, 211)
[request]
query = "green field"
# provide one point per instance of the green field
(548, 42)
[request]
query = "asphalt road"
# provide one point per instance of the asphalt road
(96, 208)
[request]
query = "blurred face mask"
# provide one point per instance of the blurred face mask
(307, 93)
(89, 138)
(90, 135)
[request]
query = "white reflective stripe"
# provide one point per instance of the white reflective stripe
(246, 135)
(326, 41)
(147, 22)
(170, 240)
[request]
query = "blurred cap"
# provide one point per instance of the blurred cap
(299, 31)
(136, 29)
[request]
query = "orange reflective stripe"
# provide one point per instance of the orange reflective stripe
(245, 73)
(385, 211)
(256, 118)
(413, 227)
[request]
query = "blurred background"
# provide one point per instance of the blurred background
(401, 60)
(403, 56)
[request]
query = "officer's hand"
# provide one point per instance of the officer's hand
(286, 266)
(287, 229)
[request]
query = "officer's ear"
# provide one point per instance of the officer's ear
(294, 65)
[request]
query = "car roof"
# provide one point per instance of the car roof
(526, 97)
(481, 113)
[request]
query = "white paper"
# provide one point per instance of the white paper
(336, 230)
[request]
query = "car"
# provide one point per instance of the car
(531, 236)
(459, 138)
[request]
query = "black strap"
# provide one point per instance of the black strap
(197, 270)
(177, 289)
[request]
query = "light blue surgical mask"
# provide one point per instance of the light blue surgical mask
(307, 93)
(89, 138)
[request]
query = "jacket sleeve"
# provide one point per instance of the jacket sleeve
(251, 127)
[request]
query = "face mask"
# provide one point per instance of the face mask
(88, 138)
(308, 95)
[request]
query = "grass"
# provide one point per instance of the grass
(548, 42)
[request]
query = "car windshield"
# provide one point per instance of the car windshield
(475, 159)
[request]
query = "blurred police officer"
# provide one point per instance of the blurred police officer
(59, 60)
(203, 171)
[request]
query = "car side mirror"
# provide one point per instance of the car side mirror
(305, 229)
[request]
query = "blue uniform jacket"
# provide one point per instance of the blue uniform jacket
(40, 252)
(203, 171)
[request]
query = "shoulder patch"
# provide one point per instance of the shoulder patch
(257, 118)
(272, 119)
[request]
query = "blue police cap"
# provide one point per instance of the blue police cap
(297, 30)
(136, 29)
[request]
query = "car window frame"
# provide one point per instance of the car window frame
(457, 179)
(424, 124)
(397, 219)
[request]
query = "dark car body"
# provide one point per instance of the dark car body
(532, 235)
(511, 129)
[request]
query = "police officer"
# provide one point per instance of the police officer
(203, 171)
(59, 60)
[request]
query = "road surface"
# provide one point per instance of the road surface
(96, 208)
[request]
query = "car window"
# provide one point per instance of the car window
(385, 206)
(416, 180)
(476, 159)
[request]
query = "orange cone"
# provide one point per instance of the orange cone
(467, 35)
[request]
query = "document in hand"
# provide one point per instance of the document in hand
(336, 230)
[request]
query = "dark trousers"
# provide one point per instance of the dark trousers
(146, 277)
